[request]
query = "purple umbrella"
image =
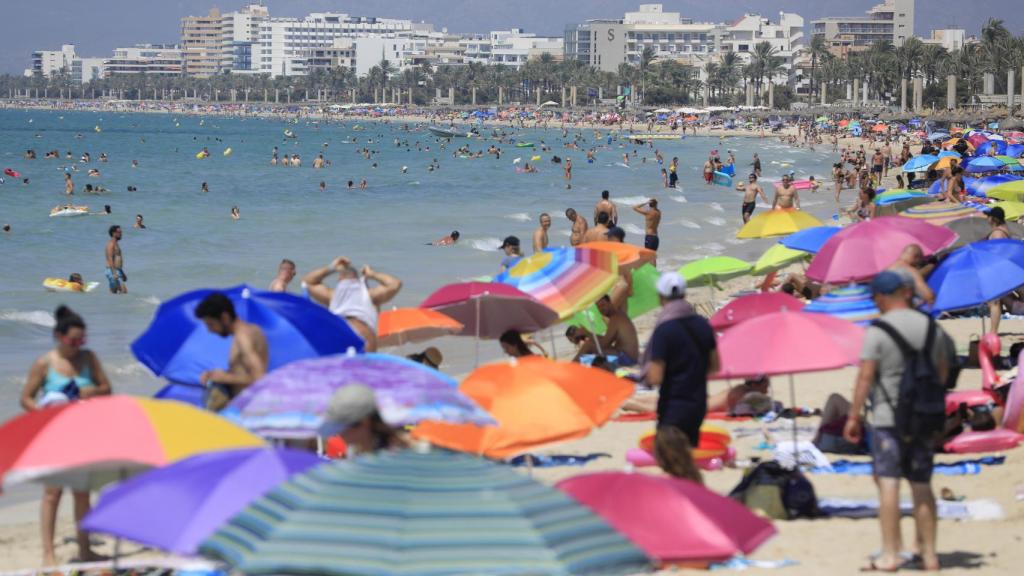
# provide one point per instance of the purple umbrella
(176, 507)
(290, 402)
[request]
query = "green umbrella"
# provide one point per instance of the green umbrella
(643, 300)
(1013, 190)
(776, 258)
(712, 270)
(1008, 160)
(408, 513)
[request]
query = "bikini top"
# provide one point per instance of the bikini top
(57, 382)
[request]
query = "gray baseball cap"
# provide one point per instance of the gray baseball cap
(347, 407)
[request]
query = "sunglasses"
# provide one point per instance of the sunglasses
(73, 341)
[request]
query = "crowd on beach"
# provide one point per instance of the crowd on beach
(671, 368)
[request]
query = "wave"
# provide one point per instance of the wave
(131, 369)
(689, 224)
(631, 200)
(151, 300)
(633, 229)
(716, 206)
(736, 241)
(34, 317)
(680, 199)
(484, 244)
(715, 221)
(712, 247)
(519, 217)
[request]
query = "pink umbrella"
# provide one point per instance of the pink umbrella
(670, 519)
(977, 140)
(751, 306)
(862, 250)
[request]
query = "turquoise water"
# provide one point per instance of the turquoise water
(191, 241)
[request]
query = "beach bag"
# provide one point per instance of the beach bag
(920, 407)
(776, 492)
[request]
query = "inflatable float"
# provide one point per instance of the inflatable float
(64, 211)
(712, 452)
(524, 144)
(13, 174)
(722, 179)
(201, 155)
(62, 285)
(227, 151)
(290, 134)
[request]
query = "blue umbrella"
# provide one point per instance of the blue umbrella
(920, 163)
(1014, 150)
(178, 346)
(938, 136)
(984, 164)
(853, 303)
(978, 273)
(980, 186)
(809, 239)
(999, 145)
(949, 153)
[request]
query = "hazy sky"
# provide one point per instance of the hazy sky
(98, 26)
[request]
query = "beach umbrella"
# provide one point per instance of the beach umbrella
(672, 520)
(713, 269)
(291, 402)
(945, 163)
(978, 273)
(488, 310)
(776, 258)
(179, 347)
(984, 185)
(752, 306)
(176, 507)
(890, 196)
(998, 144)
(778, 222)
(420, 514)
(864, 249)
(644, 297)
(1015, 150)
(629, 256)
(406, 325)
(983, 164)
(970, 230)
(566, 280)
(948, 154)
(1012, 209)
(1008, 190)
(976, 139)
(536, 401)
(1010, 163)
(87, 444)
(810, 239)
(920, 163)
(939, 213)
(851, 303)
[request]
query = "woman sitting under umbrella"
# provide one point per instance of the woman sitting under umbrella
(353, 415)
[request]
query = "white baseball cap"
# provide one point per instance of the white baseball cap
(671, 285)
(347, 407)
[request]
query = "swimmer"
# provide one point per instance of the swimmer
(69, 184)
(448, 240)
(363, 185)
(235, 213)
(204, 188)
(138, 222)
(323, 186)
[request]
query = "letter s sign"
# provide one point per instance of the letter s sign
(611, 35)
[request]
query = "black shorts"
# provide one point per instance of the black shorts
(876, 169)
(685, 416)
(748, 208)
(651, 242)
(893, 460)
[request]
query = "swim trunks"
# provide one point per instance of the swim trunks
(892, 459)
(748, 208)
(115, 282)
(651, 242)
(708, 177)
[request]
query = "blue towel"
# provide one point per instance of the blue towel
(553, 460)
(958, 468)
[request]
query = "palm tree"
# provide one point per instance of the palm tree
(818, 48)
(761, 59)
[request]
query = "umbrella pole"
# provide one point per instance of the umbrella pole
(476, 360)
(597, 341)
(792, 402)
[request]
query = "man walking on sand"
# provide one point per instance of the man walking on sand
(879, 384)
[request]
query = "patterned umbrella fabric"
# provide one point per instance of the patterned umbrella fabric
(88, 444)
(978, 273)
(407, 325)
(194, 497)
(290, 402)
(410, 514)
(536, 401)
(714, 269)
(983, 186)
(566, 280)
(940, 212)
(981, 164)
(178, 346)
(752, 306)
(852, 303)
(488, 309)
(776, 258)
(629, 256)
(777, 223)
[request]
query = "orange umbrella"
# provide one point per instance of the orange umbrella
(536, 401)
(629, 256)
(404, 325)
(879, 128)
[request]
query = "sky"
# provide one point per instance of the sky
(96, 27)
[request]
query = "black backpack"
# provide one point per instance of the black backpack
(777, 492)
(920, 407)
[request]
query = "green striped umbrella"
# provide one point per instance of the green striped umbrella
(408, 513)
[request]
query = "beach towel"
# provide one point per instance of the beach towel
(868, 508)
(554, 460)
(958, 468)
(743, 563)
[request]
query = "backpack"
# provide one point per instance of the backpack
(920, 407)
(777, 492)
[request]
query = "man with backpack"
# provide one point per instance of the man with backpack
(906, 364)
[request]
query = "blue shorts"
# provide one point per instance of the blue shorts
(115, 281)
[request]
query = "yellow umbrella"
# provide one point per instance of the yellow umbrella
(946, 162)
(777, 223)
(776, 258)
(1013, 209)
(1013, 190)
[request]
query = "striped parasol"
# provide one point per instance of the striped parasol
(853, 303)
(420, 514)
(566, 280)
(939, 213)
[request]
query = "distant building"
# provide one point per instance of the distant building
(515, 47)
(46, 63)
(202, 44)
(952, 39)
(150, 59)
(891, 21)
(85, 70)
(786, 37)
(240, 31)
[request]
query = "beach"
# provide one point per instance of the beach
(191, 242)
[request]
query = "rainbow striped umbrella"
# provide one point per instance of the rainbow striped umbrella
(406, 513)
(566, 280)
(853, 303)
(939, 213)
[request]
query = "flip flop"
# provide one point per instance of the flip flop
(872, 567)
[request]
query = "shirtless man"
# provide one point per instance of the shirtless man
(786, 195)
(912, 261)
(652, 218)
(568, 173)
(69, 185)
(600, 230)
(579, 227)
(620, 338)
(750, 194)
(352, 299)
(116, 277)
(285, 274)
(540, 235)
(608, 207)
(249, 355)
(448, 240)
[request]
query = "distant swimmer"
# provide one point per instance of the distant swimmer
(756, 164)
(69, 184)
(786, 196)
(116, 278)
(673, 172)
(135, 163)
(363, 185)
(750, 194)
(285, 274)
(568, 173)
(235, 213)
(448, 240)
(605, 205)
(579, 227)
(652, 219)
(540, 235)
(7, 228)
(138, 222)
(204, 188)
(323, 186)
(319, 161)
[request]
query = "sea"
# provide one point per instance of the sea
(191, 241)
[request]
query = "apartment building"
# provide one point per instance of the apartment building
(202, 44)
(892, 21)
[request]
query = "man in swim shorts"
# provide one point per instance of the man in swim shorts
(750, 194)
(605, 205)
(652, 218)
(352, 299)
(579, 227)
(116, 278)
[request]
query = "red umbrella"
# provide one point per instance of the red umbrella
(488, 310)
(671, 520)
(752, 306)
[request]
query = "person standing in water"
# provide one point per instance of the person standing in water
(750, 194)
(352, 298)
(116, 278)
(285, 274)
(69, 184)
(579, 227)
(568, 173)
(652, 218)
(540, 235)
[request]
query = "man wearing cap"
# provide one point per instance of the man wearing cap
(679, 357)
(512, 253)
(352, 413)
(878, 383)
